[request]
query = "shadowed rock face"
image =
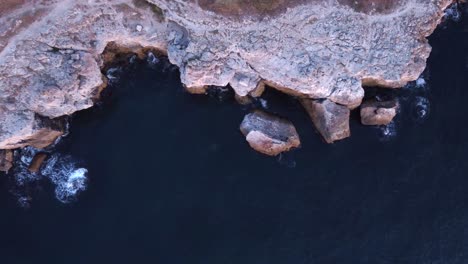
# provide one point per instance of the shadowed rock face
(274, 7)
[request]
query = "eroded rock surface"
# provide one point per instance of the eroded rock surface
(376, 113)
(318, 49)
(269, 134)
(51, 50)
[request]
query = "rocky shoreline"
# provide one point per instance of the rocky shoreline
(53, 55)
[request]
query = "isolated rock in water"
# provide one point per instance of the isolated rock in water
(330, 119)
(269, 134)
(6, 160)
(375, 113)
(37, 162)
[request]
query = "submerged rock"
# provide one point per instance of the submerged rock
(375, 113)
(37, 162)
(330, 119)
(6, 160)
(269, 134)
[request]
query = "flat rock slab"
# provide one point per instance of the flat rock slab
(269, 134)
(330, 119)
(376, 113)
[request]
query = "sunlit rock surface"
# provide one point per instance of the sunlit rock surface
(269, 134)
(51, 50)
(378, 113)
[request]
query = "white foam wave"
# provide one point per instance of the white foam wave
(453, 13)
(420, 82)
(421, 108)
(113, 74)
(264, 103)
(388, 132)
(62, 171)
(152, 59)
(68, 179)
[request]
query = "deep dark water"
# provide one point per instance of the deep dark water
(171, 180)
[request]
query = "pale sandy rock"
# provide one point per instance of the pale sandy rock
(269, 134)
(376, 113)
(330, 119)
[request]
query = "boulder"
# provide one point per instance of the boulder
(269, 134)
(330, 119)
(375, 113)
(6, 160)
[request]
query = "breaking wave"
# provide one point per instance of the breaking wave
(421, 108)
(388, 132)
(61, 170)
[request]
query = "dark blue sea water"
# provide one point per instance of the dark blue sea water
(172, 180)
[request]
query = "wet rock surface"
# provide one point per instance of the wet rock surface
(51, 52)
(37, 162)
(269, 134)
(378, 113)
(330, 119)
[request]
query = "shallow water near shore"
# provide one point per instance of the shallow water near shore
(172, 180)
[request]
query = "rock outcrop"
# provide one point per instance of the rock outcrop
(51, 50)
(50, 58)
(269, 134)
(330, 119)
(378, 113)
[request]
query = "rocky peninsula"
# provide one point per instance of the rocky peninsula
(54, 54)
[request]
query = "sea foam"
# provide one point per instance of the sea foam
(61, 170)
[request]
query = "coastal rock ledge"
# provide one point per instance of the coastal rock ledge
(51, 50)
